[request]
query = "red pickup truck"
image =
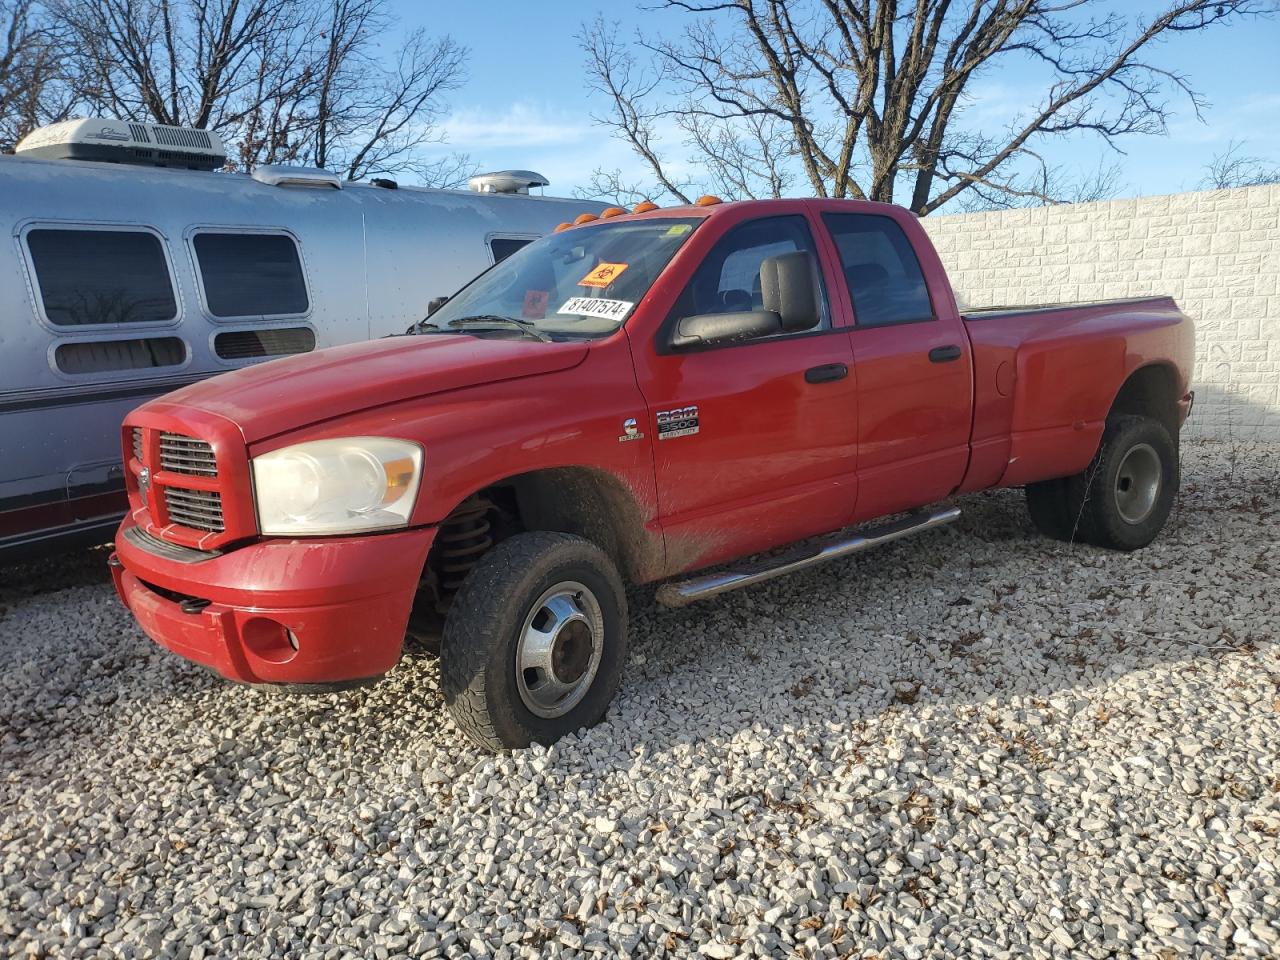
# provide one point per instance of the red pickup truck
(632, 398)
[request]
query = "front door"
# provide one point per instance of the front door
(754, 442)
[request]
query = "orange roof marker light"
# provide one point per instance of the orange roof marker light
(644, 206)
(707, 200)
(561, 227)
(608, 212)
(584, 218)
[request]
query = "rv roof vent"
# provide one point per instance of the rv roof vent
(283, 175)
(507, 181)
(115, 141)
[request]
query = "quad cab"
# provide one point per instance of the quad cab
(634, 398)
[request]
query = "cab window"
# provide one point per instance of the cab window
(880, 266)
(728, 280)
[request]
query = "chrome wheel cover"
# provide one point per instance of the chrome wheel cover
(1138, 483)
(559, 649)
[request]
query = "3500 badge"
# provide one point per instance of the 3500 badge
(677, 423)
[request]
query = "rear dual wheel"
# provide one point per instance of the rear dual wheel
(1123, 498)
(535, 641)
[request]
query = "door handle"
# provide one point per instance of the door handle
(944, 354)
(826, 373)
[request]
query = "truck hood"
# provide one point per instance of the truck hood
(293, 392)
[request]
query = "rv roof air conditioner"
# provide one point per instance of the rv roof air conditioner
(507, 181)
(117, 141)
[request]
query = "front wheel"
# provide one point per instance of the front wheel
(534, 642)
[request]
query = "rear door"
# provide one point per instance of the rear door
(753, 442)
(913, 365)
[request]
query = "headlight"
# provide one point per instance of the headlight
(336, 486)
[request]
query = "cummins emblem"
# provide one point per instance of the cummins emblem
(144, 484)
(677, 423)
(630, 430)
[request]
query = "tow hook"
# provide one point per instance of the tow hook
(193, 605)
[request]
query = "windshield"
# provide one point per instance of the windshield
(581, 282)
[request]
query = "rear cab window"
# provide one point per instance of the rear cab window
(880, 267)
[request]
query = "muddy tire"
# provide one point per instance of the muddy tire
(1123, 498)
(534, 642)
(1130, 487)
(1050, 503)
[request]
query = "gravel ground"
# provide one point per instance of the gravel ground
(978, 743)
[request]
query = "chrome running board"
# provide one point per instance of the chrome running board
(683, 593)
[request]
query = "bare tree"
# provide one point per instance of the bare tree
(33, 87)
(279, 80)
(610, 185)
(373, 120)
(1045, 185)
(872, 98)
(1230, 169)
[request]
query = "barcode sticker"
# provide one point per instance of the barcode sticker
(597, 307)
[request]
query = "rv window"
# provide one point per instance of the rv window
(110, 355)
(272, 342)
(101, 276)
(503, 247)
(251, 274)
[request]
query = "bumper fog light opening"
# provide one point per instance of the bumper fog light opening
(268, 640)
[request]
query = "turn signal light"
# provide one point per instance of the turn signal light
(584, 218)
(644, 206)
(706, 200)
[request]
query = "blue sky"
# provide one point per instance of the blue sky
(525, 104)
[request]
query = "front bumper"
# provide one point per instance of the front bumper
(321, 611)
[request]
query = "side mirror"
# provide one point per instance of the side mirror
(788, 285)
(435, 303)
(705, 329)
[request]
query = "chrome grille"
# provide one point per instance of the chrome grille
(179, 454)
(199, 509)
(137, 444)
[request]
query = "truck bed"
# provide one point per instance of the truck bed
(988, 313)
(1046, 375)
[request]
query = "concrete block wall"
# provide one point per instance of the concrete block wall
(1216, 252)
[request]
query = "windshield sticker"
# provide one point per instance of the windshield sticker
(678, 230)
(535, 304)
(597, 307)
(603, 274)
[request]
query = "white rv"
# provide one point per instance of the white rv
(134, 268)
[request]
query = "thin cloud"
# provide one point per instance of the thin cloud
(1249, 118)
(565, 146)
(519, 125)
